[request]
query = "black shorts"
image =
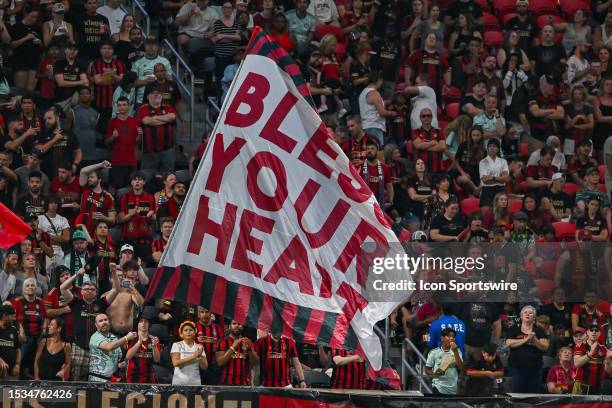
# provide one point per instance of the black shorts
(487, 195)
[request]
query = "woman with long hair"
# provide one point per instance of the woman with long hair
(466, 161)
(464, 30)
(604, 58)
(431, 25)
(537, 219)
(167, 190)
(456, 132)
(511, 46)
(53, 355)
(7, 275)
(603, 114)
(577, 64)
(127, 24)
(578, 29)
(579, 119)
(499, 215)
(513, 78)
(414, 190)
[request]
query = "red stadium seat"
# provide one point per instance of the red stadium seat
(504, 6)
(548, 269)
(543, 20)
(493, 39)
(506, 17)
(602, 187)
(490, 22)
(564, 230)
(484, 4)
(453, 94)
(452, 110)
(571, 189)
(514, 205)
(541, 7)
(409, 148)
(602, 173)
(569, 7)
(524, 151)
(545, 288)
(470, 205)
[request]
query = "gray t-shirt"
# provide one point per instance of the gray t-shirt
(446, 383)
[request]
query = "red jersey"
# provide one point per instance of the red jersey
(169, 209)
(236, 371)
(432, 159)
(159, 245)
(376, 176)
(124, 148)
(275, 360)
(55, 300)
(105, 251)
(47, 86)
(348, 376)
(139, 227)
(140, 367)
(208, 336)
(97, 202)
(590, 373)
(585, 318)
(156, 138)
(355, 149)
(562, 379)
(31, 315)
(431, 63)
(36, 246)
(68, 193)
(103, 94)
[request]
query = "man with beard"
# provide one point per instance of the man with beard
(57, 144)
(157, 120)
(548, 54)
(276, 355)
(524, 25)
(208, 332)
(17, 139)
(105, 350)
(96, 203)
(355, 147)
(137, 214)
(172, 207)
(129, 52)
(33, 201)
(10, 353)
(494, 82)
(377, 176)
(84, 311)
(78, 256)
(235, 355)
(83, 119)
(91, 29)
(66, 186)
(158, 246)
(106, 73)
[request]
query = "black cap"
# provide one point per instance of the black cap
(30, 216)
(493, 141)
(39, 154)
(594, 327)
(521, 216)
(71, 44)
(60, 269)
(149, 313)
(7, 310)
(151, 39)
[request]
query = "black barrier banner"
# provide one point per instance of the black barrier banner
(40, 394)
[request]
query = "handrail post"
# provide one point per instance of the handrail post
(191, 112)
(386, 350)
(403, 370)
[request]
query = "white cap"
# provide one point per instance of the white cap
(126, 247)
(558, 176)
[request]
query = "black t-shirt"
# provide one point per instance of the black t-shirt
(547, 57)
(9, 343)
(84, 317)
(28, 51)
(89, 38)
(480, 235)
(478, 318)
(127, 53)
(526, 31)
(72, 73)
(526, 356)
(470, 99)
(62, 151)
(386, 59)
(449, 227)
(482, 386)
(563, 317)
(465, 7)
(26, 204)
(560, 201)
(594, 225)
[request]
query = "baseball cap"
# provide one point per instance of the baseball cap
(594, 327)
(420, 236)
(548, 79)
(242, 2)
(126, 247)
(558, 176)
(60, 269)
(30, 216)
(151, 88)
(37, 153)
(521, 216)
(579, 330)
(591, 170)
(151, 39)
(78, 234)
(148, 313)
(493, 141)
(71, 44)
(7, 310)
(58, 8)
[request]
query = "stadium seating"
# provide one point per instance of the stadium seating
(493, 39)
(569, 7)
(544, 20)
(514, 205)
(452, 110)
(470, 205)
(571, 189)
(564, 231)
(542, 7)
(490, 22)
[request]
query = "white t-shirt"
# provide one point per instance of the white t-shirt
(607, 149)
(425, 99)
(60, 223)
(199, 24)
(323, 10)
(188, 374)
(114, 16)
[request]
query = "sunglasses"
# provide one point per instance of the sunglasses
(426, 116)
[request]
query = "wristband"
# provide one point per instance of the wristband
(125, 339)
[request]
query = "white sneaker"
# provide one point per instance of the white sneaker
(322, 108)
(341, 113)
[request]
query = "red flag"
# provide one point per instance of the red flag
(12, 228)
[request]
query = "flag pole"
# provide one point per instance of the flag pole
(256, 31)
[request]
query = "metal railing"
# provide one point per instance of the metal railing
(136, 6)
(419, 375)
(182, 70)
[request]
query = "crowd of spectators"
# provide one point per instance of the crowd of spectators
(471, 121)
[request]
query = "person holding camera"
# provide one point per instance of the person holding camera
(129, 298)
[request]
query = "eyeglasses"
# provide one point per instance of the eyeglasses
(426, 116)
(88, 289)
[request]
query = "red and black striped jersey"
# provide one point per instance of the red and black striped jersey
(236, 371)
(55, 300)
(105, 251)
(103, 94)
(31, 315)
(431, 63)
(432, 159)
(95, 202)
(208, 336)
(590, 373)
(275, 360)
(159, 245)
(156, 138)
(140, 367)
(139, 226)
(351, 375)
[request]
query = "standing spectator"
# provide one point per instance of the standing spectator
(172, 207)
(524, 25)
(301, 25)
(122, 135)
(105, 350)
(69, 75)
(484, 371)
(91, 29)
(208, 333)
(470, 65)
(558, 310)
(30, 310)
(96, 203)
(137, 214)
(78, 256)
(372, 108)
(539, 176)
(53, 353)
(168, 88)
(45, 76)
(143, 352)
(512, 47)
(83, 119)
(428, 61)
(33, 201)
(114, 13)
(157, 120)
(55, 304)
(527, 343)
(158, 246)
(126, 89)
(560, 378)
(428, 142)
(10, 351)
(588, 359)
(494, 174)
(226, 37)
(464, 29)
(145, 66)
(577, 64)
(435, 205)
(106, 73)
(26, 44)
(195, 21)
(58, 229)
(84, 311)
(446, 319)
(581, 162)
(607, 153)
(57, 144)
(188, 357)
(355, 147)
(603, 113)
(165, 193)
(603, 33)
(548, 54)
(265, 17)
(349, 370)
(483, 325)
(234, 355)
(425, 97)
(130, 51)
(57, 28)
(448, 225)
(129, 300)
(325, 11)
(590, 191)
(124, 32)
(444, 364)
(491, 121)
(33, 258)
(277, 353)
(377, 176)
(467, 159)
(577, 30)
(18, 140)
